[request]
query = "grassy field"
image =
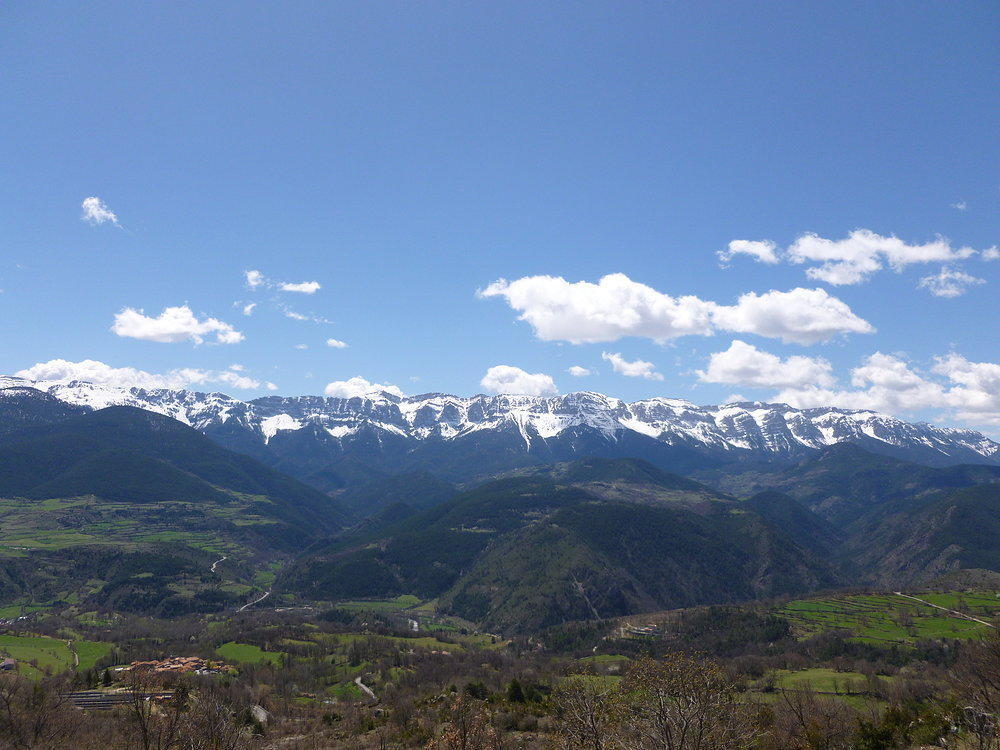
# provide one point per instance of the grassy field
(821, 680)
(346, 691)
(891, 618)
(245, 653)
(418, 642)
(16, 610)
(38, 655)
(406, 601)
(90, 652)
(606, 661)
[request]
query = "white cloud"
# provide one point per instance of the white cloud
(289, 313)
(637, 369)
(969, 391)
(227, 376)
(248, 308)
(96, 212)
(514, 380)
(744, 364)
(949, 283)
(358, 387)
(735, 398)
(798, 316)
(301, 346)
(173, 325)
(304, 287)
(959, 206)
(976, 391)
(863, 252)
(579, 372)
(616, 306)
(336, 343)
(763, 251)
(991, 253)
(256, 279)
(93, 371)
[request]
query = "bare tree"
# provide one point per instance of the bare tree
(805, 720)
(976, 681)
(684, 702)
(213, 724)
(34, 715)
(470, 727)
(590, 713)
(149, 722)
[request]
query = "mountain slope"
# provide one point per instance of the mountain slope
(844, 482)
(890, 522)
(525, 552)
(806, 528)
(127, 453)
(134, 511)
(22, 407)
(955, 530)
(416, 490)
(597, 560)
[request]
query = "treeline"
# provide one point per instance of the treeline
(493, 700)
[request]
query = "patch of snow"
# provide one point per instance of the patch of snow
(269, 427)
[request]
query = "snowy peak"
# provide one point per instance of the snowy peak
(734, 429)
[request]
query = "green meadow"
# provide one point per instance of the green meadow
(246, 653)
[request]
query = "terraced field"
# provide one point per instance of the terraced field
(892, 618)
(68, 522)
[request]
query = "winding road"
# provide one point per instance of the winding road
(258, 600)
(365, 689)
(224, 557)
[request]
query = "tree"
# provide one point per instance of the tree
(470, 726)
(212, 724)
(515, 694)
(152, 724)
(590, 713)
(808, 721)
(685, 703)
(976, 682)
(34, 715)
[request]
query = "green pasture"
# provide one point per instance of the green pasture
(37, 655)
(405, 601)
(90, 652)
(246, 653)
(820, 680)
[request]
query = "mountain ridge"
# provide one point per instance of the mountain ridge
(337, 442)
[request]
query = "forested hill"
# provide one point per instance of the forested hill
(607, 537)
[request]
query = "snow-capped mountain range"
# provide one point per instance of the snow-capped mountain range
(388, 433)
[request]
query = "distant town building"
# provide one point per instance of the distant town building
(178, 665)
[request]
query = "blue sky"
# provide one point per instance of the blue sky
(407, 155)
